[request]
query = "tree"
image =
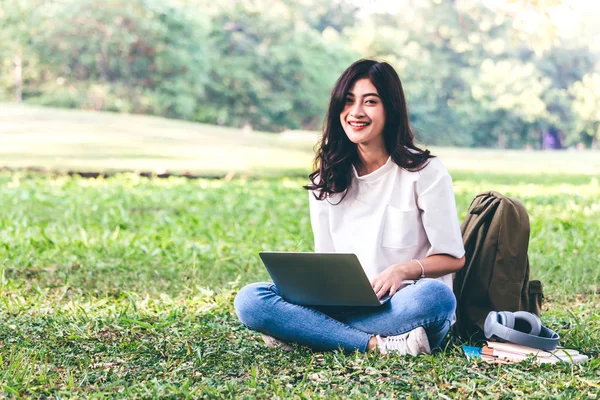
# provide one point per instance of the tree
(138, 56)
(512, 93)
(587, 107)
(19, 22)
(273, 71)
(471, 74)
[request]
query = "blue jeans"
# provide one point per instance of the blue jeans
(428, 303)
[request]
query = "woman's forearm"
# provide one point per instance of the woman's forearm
(435, 266)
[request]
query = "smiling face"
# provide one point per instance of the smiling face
(363, 116)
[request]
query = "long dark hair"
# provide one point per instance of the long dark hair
(335, 153)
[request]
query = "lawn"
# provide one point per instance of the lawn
(123, 287)
(74, 140)
(60, 139)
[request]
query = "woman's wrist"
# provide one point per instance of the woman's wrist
(420, 266)
(410, 270)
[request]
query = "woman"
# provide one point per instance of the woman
(375, 194)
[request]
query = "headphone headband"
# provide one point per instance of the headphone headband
(546, 340)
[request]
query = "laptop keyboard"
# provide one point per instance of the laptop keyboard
(384, 299)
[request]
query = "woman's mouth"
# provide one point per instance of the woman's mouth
(358, 125)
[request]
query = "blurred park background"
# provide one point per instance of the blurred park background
(251, 80)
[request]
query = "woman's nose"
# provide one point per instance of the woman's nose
(357, 110)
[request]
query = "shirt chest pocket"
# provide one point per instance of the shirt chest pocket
(400, 228)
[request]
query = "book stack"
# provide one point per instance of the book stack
(508, 353)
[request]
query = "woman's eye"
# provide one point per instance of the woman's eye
(348, 100)
(371, 102)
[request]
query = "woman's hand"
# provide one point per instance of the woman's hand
(390, 280)
(433, 266)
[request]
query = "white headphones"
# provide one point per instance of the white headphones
(520, 327)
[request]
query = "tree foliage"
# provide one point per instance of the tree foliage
(472, 75)
(270, 71)
(136, 56)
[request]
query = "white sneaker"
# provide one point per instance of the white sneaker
(276, 343)
(413, 342)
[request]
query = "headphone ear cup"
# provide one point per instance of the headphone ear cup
(507, 319)
(490, 324)
(528, 323)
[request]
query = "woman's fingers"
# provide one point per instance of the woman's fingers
(378, 290)
(376, 284)
(393, 290)
(381, 286)
(384, 289)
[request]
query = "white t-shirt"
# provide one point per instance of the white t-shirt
(391, 216)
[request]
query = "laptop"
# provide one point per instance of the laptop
(322, 279)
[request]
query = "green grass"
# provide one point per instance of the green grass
(123, 287)
(59, 139)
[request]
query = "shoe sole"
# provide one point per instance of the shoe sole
(422, 339)
(273, 343)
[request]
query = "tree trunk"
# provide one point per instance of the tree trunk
(19, 76)
(501, 140)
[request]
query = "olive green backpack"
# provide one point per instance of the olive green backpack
(495, 276)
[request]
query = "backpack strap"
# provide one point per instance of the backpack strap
(484, 210)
